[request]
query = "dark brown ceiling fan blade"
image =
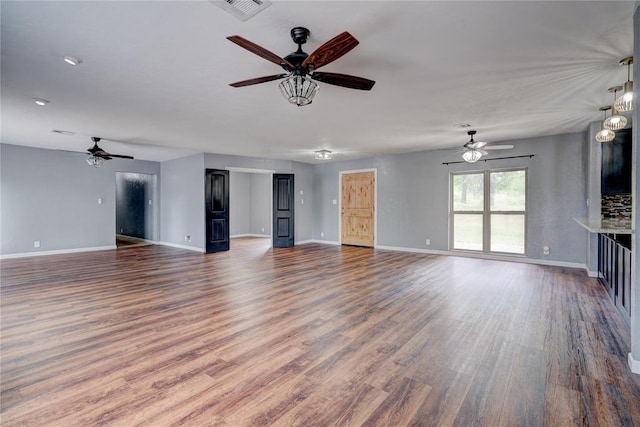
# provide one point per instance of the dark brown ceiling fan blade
(344, 80)
(331, 50)
(260, 51)
(258, 80)
(120, 156)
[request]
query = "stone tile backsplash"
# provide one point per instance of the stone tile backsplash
(616, 206)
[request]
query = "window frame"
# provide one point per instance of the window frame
(487, 212)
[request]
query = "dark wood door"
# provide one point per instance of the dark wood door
(283, 210)
(216, 199)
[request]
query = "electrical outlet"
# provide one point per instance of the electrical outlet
(263, 230)
(99, 200)
(545, 250)
(36, 244)
(302, 201)
(335, 202)
(321, 234)
(428, 242)
(187, 238)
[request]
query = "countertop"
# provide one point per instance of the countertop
(606, 225)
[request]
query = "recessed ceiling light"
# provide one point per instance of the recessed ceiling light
(63, 132)
(41, 102)
(72, 60)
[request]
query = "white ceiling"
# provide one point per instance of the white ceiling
(155, 75)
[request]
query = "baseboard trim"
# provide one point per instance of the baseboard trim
(415, 250)
(487, 256)
(235, 236)
(178, 246)
(593, 274)
(304, 242)
(58, 252)
(634, 365)
(324, 242)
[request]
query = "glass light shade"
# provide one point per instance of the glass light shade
(299, 90)
(615, 122)
(471, 156)
(605, 135)
(324, 155)
(94, 161)
(625, 102)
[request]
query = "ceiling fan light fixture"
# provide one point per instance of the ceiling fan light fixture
(95, 161)
(625, 102)
(324, 155)
(615, 121)
(605, 135)
(299, 90)
(471, 155)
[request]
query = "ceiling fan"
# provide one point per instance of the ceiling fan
(474, 150)
(299, 86)
(97, 155)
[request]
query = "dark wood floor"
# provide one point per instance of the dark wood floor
(315, 335)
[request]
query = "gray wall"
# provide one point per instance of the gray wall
(413, 196)
(52, 196)
(304, 197)
(182, 192)
(250, 200)
(239, 203)
(261, 191)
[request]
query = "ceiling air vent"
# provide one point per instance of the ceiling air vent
(242, 9)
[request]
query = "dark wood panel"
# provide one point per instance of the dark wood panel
(283, 210)
(159, 336)
(216, 198)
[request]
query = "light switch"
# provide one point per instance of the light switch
(150, 202)
(301, 192)
(335, 202)
(302, 201)
(99, 200)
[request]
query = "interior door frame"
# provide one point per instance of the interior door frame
(269, 172)
(375, 202)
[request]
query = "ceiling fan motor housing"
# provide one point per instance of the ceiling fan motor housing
(300, 35)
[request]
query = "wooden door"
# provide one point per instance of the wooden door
(358, 204)
(283, 210)
(216, 198)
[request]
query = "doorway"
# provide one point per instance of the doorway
(358, 219)
(250, 195)
(135, 208)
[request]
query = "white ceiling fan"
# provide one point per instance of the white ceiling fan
(474, 150)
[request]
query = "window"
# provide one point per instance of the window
(488, 211)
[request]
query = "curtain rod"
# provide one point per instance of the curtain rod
(495, 158)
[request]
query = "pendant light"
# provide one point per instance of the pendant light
(615, 120)
(471, 155)
(605, 135)
(625, 102)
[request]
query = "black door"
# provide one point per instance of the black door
(283, 203)
(216, 199)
